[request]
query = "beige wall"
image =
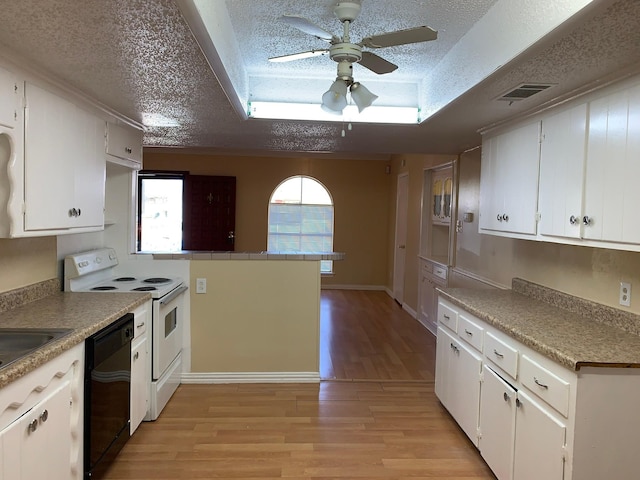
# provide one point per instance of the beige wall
(258, 316)
(360, 191)
(592, 273)
(26, 261)
(414, 165)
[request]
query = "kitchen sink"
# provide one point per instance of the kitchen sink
(16, 343)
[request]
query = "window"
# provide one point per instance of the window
(160, 212)
(301, 219)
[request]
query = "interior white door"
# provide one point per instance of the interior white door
(400, 251)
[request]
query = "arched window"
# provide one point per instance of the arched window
(301, 218)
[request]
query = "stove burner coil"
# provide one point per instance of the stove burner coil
(156, 280)
(124, 279)
(144, 289)
(104, 288)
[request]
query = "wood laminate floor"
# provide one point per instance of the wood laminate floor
(375, 417)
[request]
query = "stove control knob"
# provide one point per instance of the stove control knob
(98, 260)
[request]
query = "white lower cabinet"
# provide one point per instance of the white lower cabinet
(539, 442)
(140, 367)
(497, 423)
(41, 421)
(530, 417)
(459, 385)
(31, 447)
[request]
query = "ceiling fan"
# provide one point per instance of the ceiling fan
(346, 53)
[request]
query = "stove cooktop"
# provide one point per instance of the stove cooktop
(157, 286)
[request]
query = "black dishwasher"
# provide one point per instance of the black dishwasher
(107, 390)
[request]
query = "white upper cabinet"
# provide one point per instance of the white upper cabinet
(10, 99)
(64, 165)
(562, 169)
(612, 195)
(124, 145)
(589, 165)
(509, 181)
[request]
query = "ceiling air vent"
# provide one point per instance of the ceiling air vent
(524, 90)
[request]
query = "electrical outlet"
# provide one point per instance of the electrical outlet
(625, 294)
(201, 285)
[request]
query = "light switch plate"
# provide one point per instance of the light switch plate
(201, 285)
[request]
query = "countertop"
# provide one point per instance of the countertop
(85, 313)
(571, 331)
(188, 255)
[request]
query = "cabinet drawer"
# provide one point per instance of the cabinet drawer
(501, 354)
(427, 268)
(447, 316)
(440, 272)
(470, 332)
(545, 384)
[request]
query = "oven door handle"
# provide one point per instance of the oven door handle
(169, 297)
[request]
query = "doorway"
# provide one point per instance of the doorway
(400, 244)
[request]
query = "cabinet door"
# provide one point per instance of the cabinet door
(443, 384)
(613, 167)
(509, 181)
(428, 303)
(48, 160)
(34, 446)
(497, 424)
(9, 99)
(89, 170)
(540, 440)
(465, 376)
(562, 161)
(458, 382)
(139, 381)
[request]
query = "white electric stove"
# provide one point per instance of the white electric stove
(95, 271)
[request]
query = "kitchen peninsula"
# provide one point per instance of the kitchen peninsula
(254, 316)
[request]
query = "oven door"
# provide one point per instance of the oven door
(168, 319)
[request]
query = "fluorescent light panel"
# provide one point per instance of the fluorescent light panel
(312, 111)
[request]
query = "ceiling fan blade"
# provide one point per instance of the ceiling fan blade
(298, 56)
(401, 37)
(307, 26)
(376, 64)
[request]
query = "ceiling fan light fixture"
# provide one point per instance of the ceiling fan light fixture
(335, 99)
(362, 97)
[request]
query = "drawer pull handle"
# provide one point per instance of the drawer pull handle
(498, 354)
(506, 396)
(447, 317)
(541, 385)
(468, 332)
(140, 325)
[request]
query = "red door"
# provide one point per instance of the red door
(209, 213)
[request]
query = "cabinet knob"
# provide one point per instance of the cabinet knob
(79, 212)
(33, 426)
(499, 217)
(44, 416)
(586, 220)
(505, 217)
(506, 396)
(518, 403)
(573, 220)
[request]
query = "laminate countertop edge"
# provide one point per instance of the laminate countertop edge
(83, 313)
(569, 338)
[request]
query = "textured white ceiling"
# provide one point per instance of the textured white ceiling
(139, 57)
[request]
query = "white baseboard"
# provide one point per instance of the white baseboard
(251, 377)
(353, 287)
(409, 310)
(388, 291)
